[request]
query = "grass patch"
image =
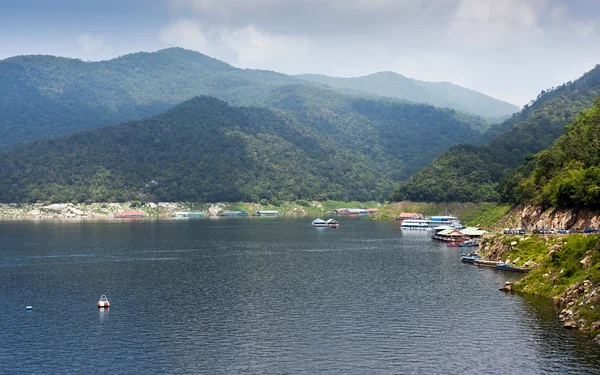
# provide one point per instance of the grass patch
(557, 272)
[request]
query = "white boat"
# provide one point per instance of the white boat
(430, 223)
(331, 223)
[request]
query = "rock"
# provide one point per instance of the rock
(596, 325)
(570, 325)
(507, 287)
(517, 260)
(597, 339)
(530, 263)
(56, 206)
(586, 262)
(514, 243)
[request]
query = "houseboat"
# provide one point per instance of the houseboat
(331, 223)
(430, 223)
(409, 215)
(450, 234)
(129, 215)
(187, 214)
(266, 213)
(233, 213)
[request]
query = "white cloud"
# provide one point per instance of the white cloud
(187, 34)
(91, 44)
(246, 47)
(254, 48)
(492, 24)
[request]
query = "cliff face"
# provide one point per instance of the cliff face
(532, 217)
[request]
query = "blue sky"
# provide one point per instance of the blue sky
(510, 49)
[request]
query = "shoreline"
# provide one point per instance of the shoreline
(480, 214)
(564, 271)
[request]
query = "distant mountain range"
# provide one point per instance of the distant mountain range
(470, 173)
(46, 96)
(440, 94)
(312, 147)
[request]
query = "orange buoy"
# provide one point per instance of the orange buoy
(103, 302)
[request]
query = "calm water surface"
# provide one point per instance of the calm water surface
(260, 296)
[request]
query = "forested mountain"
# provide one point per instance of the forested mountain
(565, 175)
(470, 173)
(206, 150)
(46, 96)
(441, 94)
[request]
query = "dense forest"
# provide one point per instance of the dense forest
(473, 173)
(440, 94)
(46, 96)
(565, 175)
(206, 150)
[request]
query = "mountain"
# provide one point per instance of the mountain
(205, 150)
(567, 174)
(440, 94)
(471, 173)
(46, 96)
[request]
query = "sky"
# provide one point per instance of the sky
(509, 49)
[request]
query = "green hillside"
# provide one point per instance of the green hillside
(565, 175)
(441, 94)
(46, 96)
(205, 150)
(470, 173)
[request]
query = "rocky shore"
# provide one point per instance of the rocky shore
(107, 211)
(94, 211)
(565, 268)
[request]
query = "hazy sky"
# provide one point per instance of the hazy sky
(510, 49)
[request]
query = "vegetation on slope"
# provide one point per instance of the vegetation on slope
(441, 94)
(46, 96)
(469, 173)
(565, 175)
(567, 269)
(204, 150)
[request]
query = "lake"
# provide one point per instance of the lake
(265, 295)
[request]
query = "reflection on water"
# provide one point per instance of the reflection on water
(276, 296)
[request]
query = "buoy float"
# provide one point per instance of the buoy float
(103, 302)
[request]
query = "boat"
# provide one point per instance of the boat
(453, 244)
(266, 213)
(187, 214)
(233, 213)
(470, 258)
(103, 302)
(129, 215)
(511, 267)
(469, 244)
(430, 223)
(331, 223)
(486, 263)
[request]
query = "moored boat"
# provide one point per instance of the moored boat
(331, 223)
(453, 244)
(469, 244)
(511, 268)
(469, 258)
(486, 263)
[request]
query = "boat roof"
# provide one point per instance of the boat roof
(473, 231)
